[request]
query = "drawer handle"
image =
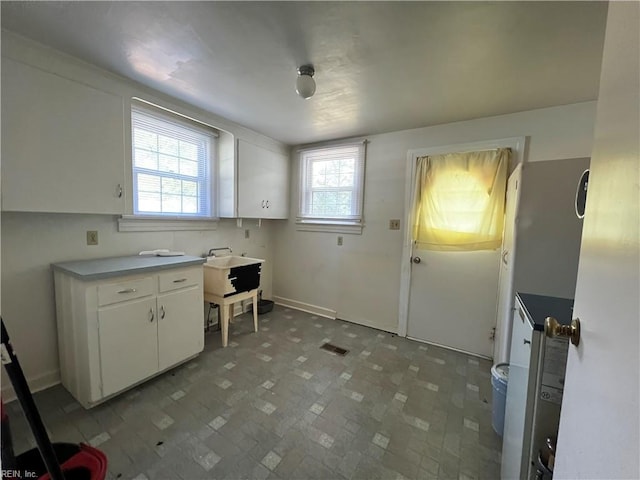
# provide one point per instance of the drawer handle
(151, 315)
(180, 280)
(128, 290)
(162, 311)
(526, 342)
(521, 315)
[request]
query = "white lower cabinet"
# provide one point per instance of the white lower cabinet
(117, 332)
(178, 335)
(128, 343)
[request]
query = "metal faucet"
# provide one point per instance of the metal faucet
(212, 254)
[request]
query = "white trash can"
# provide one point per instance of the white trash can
(499, 379)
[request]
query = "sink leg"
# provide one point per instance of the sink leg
(255, 313)
(225, 324)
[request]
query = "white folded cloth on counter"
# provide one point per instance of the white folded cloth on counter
(162, 252)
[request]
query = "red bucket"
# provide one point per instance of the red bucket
(77, 461)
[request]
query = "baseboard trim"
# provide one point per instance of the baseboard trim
(305, 307)
(36, 384)
(477, 355)
(364, 323)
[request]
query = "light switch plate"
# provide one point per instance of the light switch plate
(340, 241)
(394, 224)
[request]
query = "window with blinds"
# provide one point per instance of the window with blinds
(332, 184)
(172, 162)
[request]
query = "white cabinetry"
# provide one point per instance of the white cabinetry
(128, 344)
(62, 144)
(116, 332)
(263, 182)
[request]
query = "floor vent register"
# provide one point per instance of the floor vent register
(334, 349)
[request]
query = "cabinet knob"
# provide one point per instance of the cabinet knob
(151, 315)
(119, 191)
(553, 329)
(162, 311)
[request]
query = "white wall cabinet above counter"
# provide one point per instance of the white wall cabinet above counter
(62, 144)
(66, 142)
(262, 182)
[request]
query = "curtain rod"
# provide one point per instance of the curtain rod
(454, 152)
(337, 143)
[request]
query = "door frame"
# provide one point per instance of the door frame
(503, 331)
(518, 147)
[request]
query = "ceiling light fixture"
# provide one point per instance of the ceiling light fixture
(305, 84)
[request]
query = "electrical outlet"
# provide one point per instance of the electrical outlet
(246, 233)
(394, 224)
(92, 237)
(340, 241)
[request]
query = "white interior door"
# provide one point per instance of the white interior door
(452, 299)
(599, 425)
(506, 294)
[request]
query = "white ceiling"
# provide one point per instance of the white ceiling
(380, 66)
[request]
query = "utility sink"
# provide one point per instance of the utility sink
(231, 261)
(230, 275)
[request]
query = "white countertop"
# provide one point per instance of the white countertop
(116, 266)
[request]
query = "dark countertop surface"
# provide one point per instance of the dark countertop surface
(539, 307)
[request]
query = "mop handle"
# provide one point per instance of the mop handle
(12, 366)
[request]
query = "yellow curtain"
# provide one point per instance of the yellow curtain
(460, 200)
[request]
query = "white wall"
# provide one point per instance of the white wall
(360, 280)
(31, 242)
(548, 229)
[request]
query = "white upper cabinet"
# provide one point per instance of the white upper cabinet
(62, 144)
(263, 182)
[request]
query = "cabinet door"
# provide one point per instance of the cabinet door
(180, 325)
(128, 344)
(263, 182)
(62, 144)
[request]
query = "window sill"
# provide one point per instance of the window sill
(329, 227)
(131, 223)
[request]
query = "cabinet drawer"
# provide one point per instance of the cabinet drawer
(175, 279)
(125, 290)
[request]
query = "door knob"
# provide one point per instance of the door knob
(554, 329)
(416, 259)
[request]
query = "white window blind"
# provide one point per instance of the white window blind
(172, 164)
(332, 183)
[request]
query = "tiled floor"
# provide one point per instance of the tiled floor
(274, 405)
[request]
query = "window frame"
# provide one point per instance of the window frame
(351, 223)
(206, 178)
